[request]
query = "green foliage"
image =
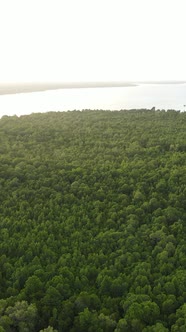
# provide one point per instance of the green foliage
(48, 329)
(21, 316)
(158, 327)
(93, 221)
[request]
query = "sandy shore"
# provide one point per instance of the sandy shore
(13, 88)
(34, 87)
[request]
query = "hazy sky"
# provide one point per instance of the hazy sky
(90, 40)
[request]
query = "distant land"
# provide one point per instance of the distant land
(13, 88)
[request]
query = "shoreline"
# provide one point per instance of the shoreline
(39, 87)
(15, 88)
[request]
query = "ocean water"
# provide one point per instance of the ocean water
(160, 96)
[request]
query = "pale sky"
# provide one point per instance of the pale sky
(92, 40)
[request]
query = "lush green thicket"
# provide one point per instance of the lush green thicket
(93, 221)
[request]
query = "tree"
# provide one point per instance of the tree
(23, 316)
(33, 288)
(48, 329)
(86, 321)
(158, 327)
(180, 324)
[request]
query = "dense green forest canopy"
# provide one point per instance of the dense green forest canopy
(93, 221)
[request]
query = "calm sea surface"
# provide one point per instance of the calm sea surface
(162, 96)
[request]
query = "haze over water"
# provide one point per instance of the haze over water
(160, 96)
